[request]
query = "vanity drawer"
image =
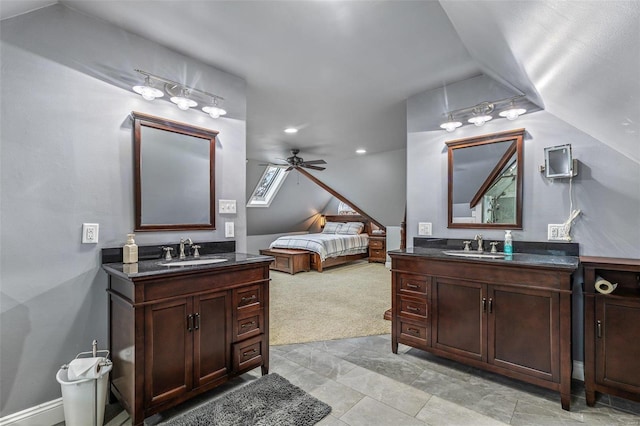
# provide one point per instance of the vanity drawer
(249, 326)
(412, 334)
(413, 308)
(412, 284)
(248, 298)
(248, 354)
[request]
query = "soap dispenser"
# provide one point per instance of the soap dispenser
(508, 242)
(130, 250)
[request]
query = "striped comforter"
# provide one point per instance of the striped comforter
(326, 245)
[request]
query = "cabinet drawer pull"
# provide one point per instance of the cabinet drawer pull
(599, 328)
(251, 352)
(484, 304)
(246, 299)
(248, 324)
(190, 322)
(412, 286)
(412, 308)
(196, 321)
(413, 330)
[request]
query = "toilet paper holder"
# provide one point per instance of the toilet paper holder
(94, 352)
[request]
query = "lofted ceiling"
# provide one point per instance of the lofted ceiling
(340, 71)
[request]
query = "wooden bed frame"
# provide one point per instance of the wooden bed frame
(318, 265)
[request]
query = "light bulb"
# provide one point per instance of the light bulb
(479, 120)
(148, 93)
(183, 103)
(450, 126)
(512, 113)
(214, 112)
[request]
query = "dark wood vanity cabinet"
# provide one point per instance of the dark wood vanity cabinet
(612, 329)
(513, 320)
(176, 335)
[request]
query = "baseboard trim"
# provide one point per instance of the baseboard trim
(47, 414)
(578, 371)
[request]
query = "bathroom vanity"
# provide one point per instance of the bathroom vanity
(510, 316)
(178, 331)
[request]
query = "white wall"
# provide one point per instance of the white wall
(67, 158)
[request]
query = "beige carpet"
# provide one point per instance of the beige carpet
(343, 301)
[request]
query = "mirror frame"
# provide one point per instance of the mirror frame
(517, 136)
(144, 120)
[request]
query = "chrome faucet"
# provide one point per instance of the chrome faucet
(478, 238)
(184, 241)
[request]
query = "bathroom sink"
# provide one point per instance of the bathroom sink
(194, 262)
(462, 253)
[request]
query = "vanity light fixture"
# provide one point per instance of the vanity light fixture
(183, 96)
(481, 113)
(147, 91)
(512, 113)
(450, 125)
(214, 110)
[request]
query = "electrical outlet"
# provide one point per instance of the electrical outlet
(90, 233)
(424, 228)
(227, 206)
(228, 230)
(555, 232)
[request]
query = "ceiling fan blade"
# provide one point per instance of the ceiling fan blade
(315, 162)
(288, 169)
(306, 165)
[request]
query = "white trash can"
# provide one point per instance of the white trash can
(85, 398)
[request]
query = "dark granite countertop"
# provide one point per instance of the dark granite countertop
(154, 267)
(521, 259)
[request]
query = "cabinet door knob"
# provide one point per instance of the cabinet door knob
(599, 328)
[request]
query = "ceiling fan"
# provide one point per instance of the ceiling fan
(294, 162)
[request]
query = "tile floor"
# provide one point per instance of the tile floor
(366, 384)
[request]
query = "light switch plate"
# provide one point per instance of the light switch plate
(227, 206)
(90, 233)
(228, 230)
(556, 232)
(424, 228)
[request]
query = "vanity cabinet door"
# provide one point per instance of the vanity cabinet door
(618, 343)
(211, 337)
(168, 351)
(458, 322)
(524, 331)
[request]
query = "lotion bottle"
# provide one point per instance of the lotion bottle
(508, 242)
(130, 250)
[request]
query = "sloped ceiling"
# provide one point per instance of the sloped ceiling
(579, 60)
(341, 70)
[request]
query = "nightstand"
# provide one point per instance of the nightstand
(378, 248)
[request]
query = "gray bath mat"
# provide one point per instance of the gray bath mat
(268, 401)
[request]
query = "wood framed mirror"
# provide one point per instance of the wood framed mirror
(485, 181)
(174, 175)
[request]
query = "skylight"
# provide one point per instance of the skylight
(267, 186)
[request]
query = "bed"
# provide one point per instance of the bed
(344, 238)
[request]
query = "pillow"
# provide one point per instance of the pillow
(351, 228)
(332, 227)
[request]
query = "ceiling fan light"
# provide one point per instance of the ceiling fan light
(479, 120)
(512, 113)
(184, 103)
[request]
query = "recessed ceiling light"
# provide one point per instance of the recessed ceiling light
(361, 151)
(291, 130)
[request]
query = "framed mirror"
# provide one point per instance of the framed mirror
(485, 181)
(174, 176)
